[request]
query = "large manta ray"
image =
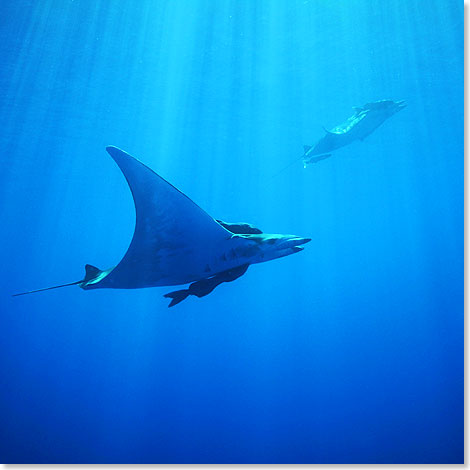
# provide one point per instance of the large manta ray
(176, 242)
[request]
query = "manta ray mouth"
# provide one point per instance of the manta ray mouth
(294, 244)
(290, 246)
(401, 104)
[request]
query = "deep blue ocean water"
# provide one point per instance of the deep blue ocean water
(348, 352)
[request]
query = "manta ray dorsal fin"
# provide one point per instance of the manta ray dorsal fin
(173, 236)
(91, 272)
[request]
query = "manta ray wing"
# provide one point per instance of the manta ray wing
(174, 239)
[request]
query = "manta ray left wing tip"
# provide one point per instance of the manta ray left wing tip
(115, 152)
(122, 158)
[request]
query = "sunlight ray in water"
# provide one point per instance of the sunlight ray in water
(350, 351)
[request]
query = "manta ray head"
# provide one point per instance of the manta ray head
(263, 247)
(388, 107)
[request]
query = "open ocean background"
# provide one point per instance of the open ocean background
(349, 352)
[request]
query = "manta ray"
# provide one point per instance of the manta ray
(365, 120)
(175, 242)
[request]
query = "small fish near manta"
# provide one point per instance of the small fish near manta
(365, 120)
(175, 242)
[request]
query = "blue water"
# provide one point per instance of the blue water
(348, 352)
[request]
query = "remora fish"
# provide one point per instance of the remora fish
(365, 120)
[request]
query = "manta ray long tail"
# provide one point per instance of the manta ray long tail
(91, 273)
(48, 288)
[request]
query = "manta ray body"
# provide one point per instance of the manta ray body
(175, 242)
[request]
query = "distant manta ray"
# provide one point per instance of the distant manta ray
(366, 119)
(176, 242)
